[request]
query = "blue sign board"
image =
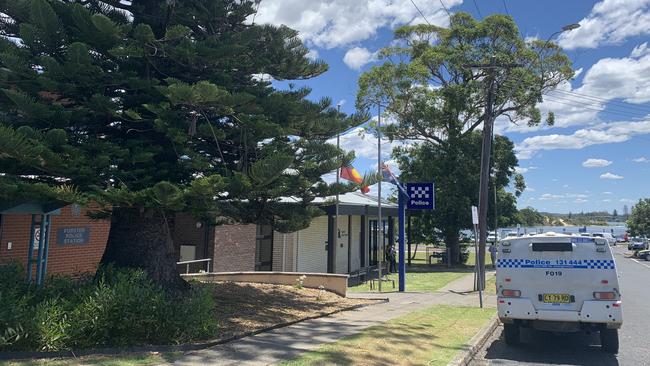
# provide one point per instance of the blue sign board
(421, 196)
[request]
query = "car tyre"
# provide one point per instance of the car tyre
(511, 333)
(609, 340)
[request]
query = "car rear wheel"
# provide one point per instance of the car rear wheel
(609, 340)
(511, 333)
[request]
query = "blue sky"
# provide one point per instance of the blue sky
(596, 157)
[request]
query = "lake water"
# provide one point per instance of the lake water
(615, 228)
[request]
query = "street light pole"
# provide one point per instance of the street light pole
(338, 180)
(380, 224)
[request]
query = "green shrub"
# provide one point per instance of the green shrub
(52, 325)
(116, 308)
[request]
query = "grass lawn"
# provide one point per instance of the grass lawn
(490, 285)
(149, 359)
(415, 281)
(420, 258)
(428, 337)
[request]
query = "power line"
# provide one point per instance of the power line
(603, 100)
(256, 10)
(591, 107)
(506, 7)
(478, 10)
(444, 7)
(420, 11)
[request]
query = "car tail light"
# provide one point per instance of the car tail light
(511, 293)
(604, 295)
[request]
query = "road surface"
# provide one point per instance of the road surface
(540, 348)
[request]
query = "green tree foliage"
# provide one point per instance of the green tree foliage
(437, 101)
(153, 106)
(639, 220)
(455, 171)
(530, 217)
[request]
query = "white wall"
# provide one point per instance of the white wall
(342, 246)
(355, 260)
(312, 256)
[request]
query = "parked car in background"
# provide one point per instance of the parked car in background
(637, 244)
(644, 254)
(607, 236)
(622, 238)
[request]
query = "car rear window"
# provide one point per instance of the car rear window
(552, 247)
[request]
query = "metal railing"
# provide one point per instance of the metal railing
(188, 263)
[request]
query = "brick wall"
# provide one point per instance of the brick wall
(186, 232)
(234, 248)
(68, 259)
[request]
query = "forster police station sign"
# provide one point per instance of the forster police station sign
(73, 235)
(421, 196)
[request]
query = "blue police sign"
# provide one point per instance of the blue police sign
(421, 196)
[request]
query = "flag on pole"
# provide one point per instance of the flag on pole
(351, 174)
(388, 176)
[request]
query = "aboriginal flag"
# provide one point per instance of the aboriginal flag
(351, 174)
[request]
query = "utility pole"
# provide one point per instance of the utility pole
(488, 122)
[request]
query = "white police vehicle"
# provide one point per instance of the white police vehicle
(558, 283)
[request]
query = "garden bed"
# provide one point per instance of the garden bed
(242, 308)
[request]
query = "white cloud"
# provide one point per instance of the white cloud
(578, 195)
(312, 54)
(335, 23)
(530, 189)
(568, 112)
(607, 193)
(365, 144)
(596, 163)
(522, 170)
(610, 22)
(626, 200)
(357, 57)
(641, 160)
(262, 77)
(640, 50)
(549, 196)
(611, 176)
(627, 78)
(580, 200)
(607, 200)
(603, 133)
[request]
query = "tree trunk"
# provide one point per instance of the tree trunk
(453, 243)
(142, 239)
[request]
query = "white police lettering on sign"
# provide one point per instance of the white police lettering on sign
(421, 196)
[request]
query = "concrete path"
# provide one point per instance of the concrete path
(289, 342)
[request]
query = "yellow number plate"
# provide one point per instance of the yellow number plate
(557, 298)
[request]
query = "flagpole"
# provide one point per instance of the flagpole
(380, 224)
(338, 180)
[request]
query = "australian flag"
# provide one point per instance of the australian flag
(388, 176)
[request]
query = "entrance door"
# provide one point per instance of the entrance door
(264, 248)
(375, 245)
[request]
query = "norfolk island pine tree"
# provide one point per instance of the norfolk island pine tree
(151, 108)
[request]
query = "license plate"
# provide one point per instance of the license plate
(557, 298)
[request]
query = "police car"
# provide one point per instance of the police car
(558, 283)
